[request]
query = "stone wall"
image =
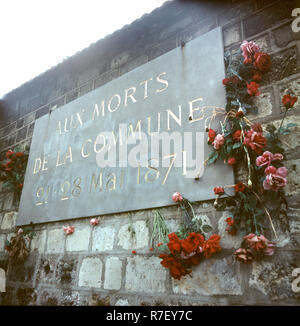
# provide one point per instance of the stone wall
(95, 265)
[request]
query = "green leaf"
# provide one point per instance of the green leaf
(207, 228)
(213, 157)
(236, 145)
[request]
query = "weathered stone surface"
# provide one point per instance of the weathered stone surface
(122, 302)
(90, 274)
(211, 277)
(137, 238)
(145, 275)
(232, 34)
(293, 186)
(263, 102)
(103, 238)
(2, 241)
(45, 270)
(273, 279)
(65, 271)
(9, 220)
(38, 242)
(55, 241)
(113, 274)
(8, 202)
(79, 240)
(227, 241)
(284, 35)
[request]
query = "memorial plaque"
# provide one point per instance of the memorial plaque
(133, 142)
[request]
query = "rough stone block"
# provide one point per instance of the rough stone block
(227, 241)
(79, 240)
(284, 35)
(113, 274)
(65, 271)
(293, 186)
(232, 34)
(103, 238)
(55, 241)
(39, 241)
(212, 277)
(90, 274)
(263, 102)
(273, 279)
(2, 241)
(145, 275)
(9, 220)
(8, 201)
(138, 239)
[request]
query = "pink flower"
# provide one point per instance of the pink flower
(244, 255)
(276, 180)
(20, 231)
(270, 170)
(231, 161)
(260, 244)
(267, 157)
(94, 221)
(219, 141)
(255, 140)
(177, 197)
(68, 229)
(248, 50)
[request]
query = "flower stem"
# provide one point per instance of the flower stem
(278, 131)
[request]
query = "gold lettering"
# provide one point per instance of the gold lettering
(66, 122)
(129, 95)
(59, 127)
(45, 162)
(69, 155)
(82, 148)
(137, 127)
(113, 180)
(97, 142)
(177, 119)
(149, 125)
(151, 169)
(162, 81)
(118, 103)
(173, 156)
(36, 168)
(192, 110)
(57, 159)
(96, 182)
(96, 110)
(145, 82)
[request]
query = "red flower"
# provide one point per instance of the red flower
(253, 89)
(239, 114)
(255, 140)
(177, 270)
(151, 249)
(225, 81)
(237, 135)
(19, 154)
(176, 197)
(133, 251)
(257, 75)
(231, 161)
(9, 153)
(257, 127)
(192, 243)
(219, 191)
(239, 187)
(211, 135)
(211, 246)
(230, 221)
(174, 244)
(288, 101)
(159, 244)
(262, 61)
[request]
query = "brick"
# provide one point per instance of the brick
(103, 238)
(227, 241)
(9, 220)
(21, 134)
(55, 241)
(284, 64)
(145, 275)
(2, 241)
(284, 35)
(38, 242)
(113, 274)
(79, 240)
(8, 201)
(232, 34)
(262, 20)
(207, 279)
(264, 106)
(90, 274)
(139, 240)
